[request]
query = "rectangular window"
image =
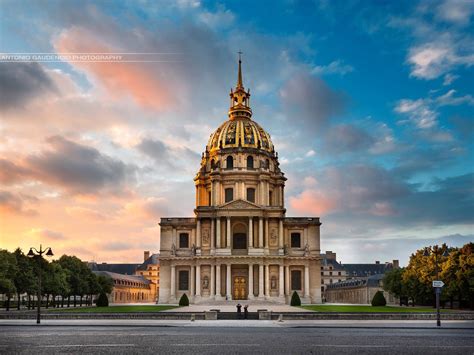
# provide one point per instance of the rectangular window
(209, 198)
(183, 240)
(295, 279)
(330, 273)
(322, 273)
(270, 198)
(183, 280)
(295, 240)
(229, 194)
(251, 194)
(339, 273)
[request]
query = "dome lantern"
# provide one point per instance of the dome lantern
(239, 98)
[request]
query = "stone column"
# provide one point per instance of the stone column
(228, 233)
(260, 281)
(198, 280)
(251, 295)
(266, 232)
(280, 234)
(250, 232)
(198, 233)
(213, 280)
(281, 282)
(173, 282)
(218, 280)
(306, 281)
(287, 280)
(227, 283)
(212, 233)
(218, 232)
(260, 232)
(175, 241)
(267, 280)
(193, 289)
(236, 191)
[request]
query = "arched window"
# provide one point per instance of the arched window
(229, 194)
(250, 162)
(251, 194)
(230, 162)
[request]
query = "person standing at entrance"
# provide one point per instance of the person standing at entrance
(246, 311)
(239, 310)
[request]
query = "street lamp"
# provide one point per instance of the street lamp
(32, 253)
(436, 252)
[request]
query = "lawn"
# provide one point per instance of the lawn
(368, 309)
(116, 309)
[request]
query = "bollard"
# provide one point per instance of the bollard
(280, 318)
(193, 317)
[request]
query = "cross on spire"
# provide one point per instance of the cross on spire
(239, 79)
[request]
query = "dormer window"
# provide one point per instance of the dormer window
(250, 162)
(230, 162)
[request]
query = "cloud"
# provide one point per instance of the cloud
(22, 82)
(311, 101)
(347, 138)
(335, 67)
(16, 204)
(455, 11)
(221, 18)
(85, 213)
(45, 234)
(11, 173)
(79, 169)
(449, 79)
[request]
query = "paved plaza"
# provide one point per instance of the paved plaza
(230, 306)
(222, 337)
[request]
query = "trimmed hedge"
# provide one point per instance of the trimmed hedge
(379, 299)
(102, 301)
(184, 301)
(295, 299)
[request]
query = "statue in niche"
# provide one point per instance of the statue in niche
(205, 237)
(306, 250)
(205, 282)
(173, 250)
(273, 236)
(193, 250)
(273, 283)
(285, 249)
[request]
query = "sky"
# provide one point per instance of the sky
(369, 104)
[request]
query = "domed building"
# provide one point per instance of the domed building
(240, 245)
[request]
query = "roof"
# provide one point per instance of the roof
(125, 269)
(371, 281)
(364, 270)
(154, 259)
(115, 276)
(331, 262)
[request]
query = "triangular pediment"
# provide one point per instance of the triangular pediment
(239, 205)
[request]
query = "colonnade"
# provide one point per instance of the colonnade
(262, 291)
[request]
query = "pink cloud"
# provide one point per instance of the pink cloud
(313, 202)
(119, 78)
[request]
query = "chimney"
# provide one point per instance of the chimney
(396, 264)
(377, 262)
(330, 255)
(146, 255)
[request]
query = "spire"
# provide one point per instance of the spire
(239, 79)
(239, 98)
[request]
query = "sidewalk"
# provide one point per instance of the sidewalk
(396, 324)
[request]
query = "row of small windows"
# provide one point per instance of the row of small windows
(250, 162)
(229, 194)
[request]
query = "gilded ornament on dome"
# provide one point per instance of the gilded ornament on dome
(263, 138)
(230, 134)
(248, 134)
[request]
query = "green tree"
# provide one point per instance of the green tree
(106, 284)
(55, 282)
(379, 299)
(184, 300)
(393, 283)
(295, 299)
(8, 271)
(25, 279)
(76, 276)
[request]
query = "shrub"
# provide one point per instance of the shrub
(102, 301)
(295, 299)
(379, 299)
(184, 301)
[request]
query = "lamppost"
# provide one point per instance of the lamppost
(39, 253)
(436, 252)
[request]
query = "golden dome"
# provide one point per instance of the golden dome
(240, 133)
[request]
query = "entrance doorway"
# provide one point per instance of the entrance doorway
(240, 288)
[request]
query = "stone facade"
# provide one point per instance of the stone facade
(240, 244)
(130, 289)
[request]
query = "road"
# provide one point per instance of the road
(232, 340)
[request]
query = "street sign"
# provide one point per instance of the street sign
(438, 283)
